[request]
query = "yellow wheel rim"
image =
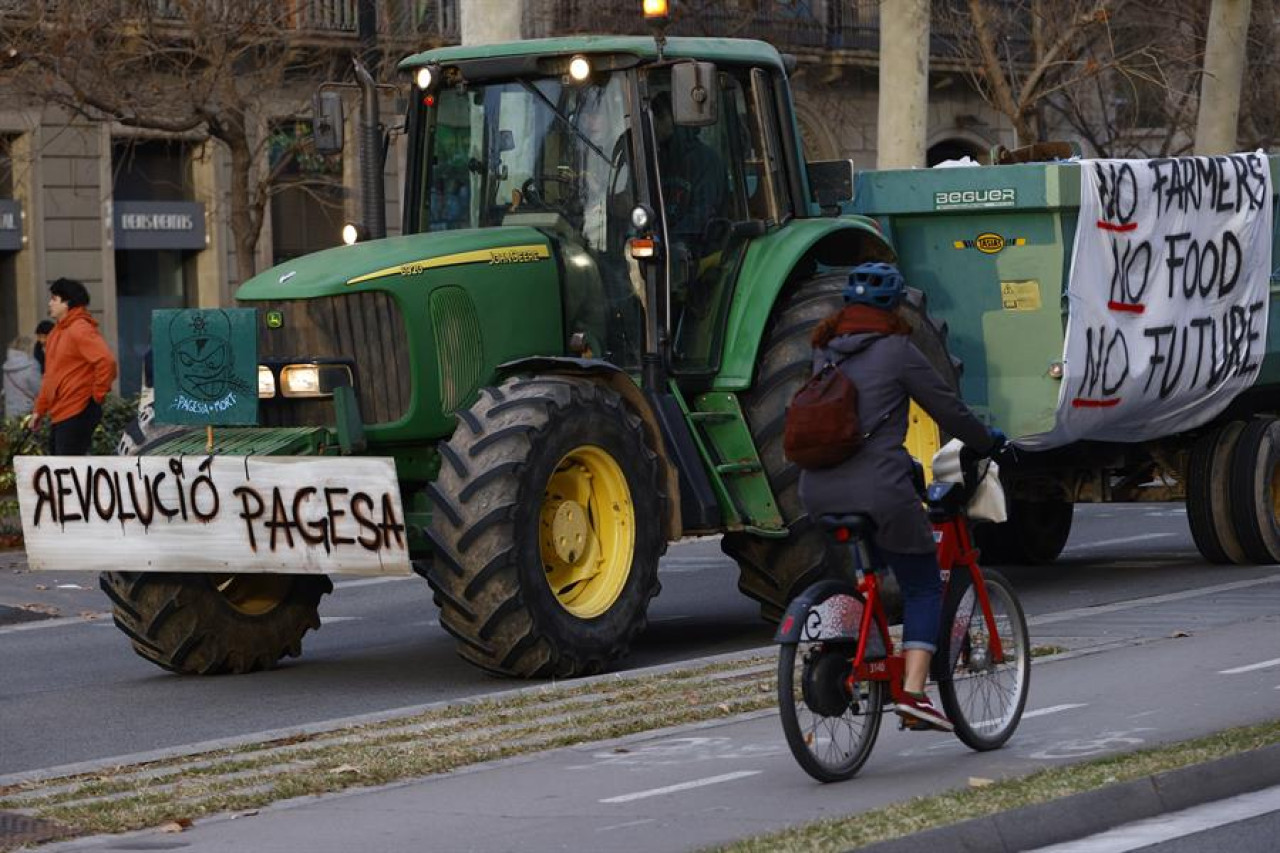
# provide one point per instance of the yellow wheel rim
(587, 531)
(253, 595)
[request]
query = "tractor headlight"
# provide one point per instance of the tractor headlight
(579, 69)
(313, 380)
(266, 383)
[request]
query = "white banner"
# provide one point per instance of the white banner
(1167, 297)
(289, 514)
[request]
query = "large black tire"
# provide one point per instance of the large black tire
(204, 624)
(1034, 535)
(773, 571)
(1255, 490)
(1209, 497)
(493, 560)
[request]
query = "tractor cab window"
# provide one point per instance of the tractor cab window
(713, 183)
(553, 156)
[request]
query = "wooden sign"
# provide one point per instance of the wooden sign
(286, 514)
(206, 366)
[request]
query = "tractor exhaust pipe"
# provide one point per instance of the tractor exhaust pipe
(373, 205)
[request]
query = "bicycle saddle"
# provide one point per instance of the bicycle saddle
(859, 526)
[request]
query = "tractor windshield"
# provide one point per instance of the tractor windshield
(528, 146)
(554, 156)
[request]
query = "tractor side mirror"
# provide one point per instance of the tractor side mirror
(326, 122)
(831, 181)
(694, 101)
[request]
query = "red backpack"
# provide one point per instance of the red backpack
(822, 428)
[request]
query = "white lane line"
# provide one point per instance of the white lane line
(1147, 833)
(63, 621)
(628, 824)
(1266, 664)
(1053, 709)
(330, 620)
(1085, 612)
(683, 786)
(1039, 712)
(1123, 541)
(372, 581)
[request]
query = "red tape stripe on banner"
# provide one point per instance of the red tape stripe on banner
(1111, 226)
(1082, 403)
(1131, 307)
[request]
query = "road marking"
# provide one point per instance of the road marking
(683, 786)
(629, 823)
(1266, 664)
(1147, 833)
(372, 581)
(1085, 612)
(87, 619)
(1053, 709)
(330, 620)
(1123, 541)
(1039, 712)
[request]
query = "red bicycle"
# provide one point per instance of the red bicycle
(838, 670)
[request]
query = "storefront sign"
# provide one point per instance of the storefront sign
(1168, 295)
(10, 225)
(206, 366)
(290, 514)
(159, 225)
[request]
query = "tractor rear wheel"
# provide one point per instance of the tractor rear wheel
(207, 624)
(773, 571)
(547, 528)
(1034, 535)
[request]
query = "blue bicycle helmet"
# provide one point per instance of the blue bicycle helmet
(877, 284)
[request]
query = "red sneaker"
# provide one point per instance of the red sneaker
(917, 710)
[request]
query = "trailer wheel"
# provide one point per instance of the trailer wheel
(1255, 490)
(1209, 496)
(547, 528)
(206, 624)
(773, 571)
(1034, 535)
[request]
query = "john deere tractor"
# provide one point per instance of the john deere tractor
(579, 350)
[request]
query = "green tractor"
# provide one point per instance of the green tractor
(580, 349)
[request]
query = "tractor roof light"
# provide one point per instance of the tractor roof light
(426, 77)
(579, 69)
(656, 10)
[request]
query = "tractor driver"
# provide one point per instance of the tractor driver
(695, 191)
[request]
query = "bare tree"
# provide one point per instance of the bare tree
(207, 69)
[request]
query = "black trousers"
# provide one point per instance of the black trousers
(74, 436)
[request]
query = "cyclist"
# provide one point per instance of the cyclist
(889, 371)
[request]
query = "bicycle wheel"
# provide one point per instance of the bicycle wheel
(984, 699)
(829, 727)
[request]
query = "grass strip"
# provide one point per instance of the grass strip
(951, 807)
(443, 739)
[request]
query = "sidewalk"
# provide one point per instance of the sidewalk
(27, 596)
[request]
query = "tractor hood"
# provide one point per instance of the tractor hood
(375, 263)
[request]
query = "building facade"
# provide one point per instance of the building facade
(142, 218)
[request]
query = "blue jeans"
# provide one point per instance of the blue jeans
(921, 582)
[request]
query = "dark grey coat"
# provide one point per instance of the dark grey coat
(889, 371)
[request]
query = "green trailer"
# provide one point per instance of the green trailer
(992, 247)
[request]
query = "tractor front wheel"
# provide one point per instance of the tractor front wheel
(547, 528)
(208, 624)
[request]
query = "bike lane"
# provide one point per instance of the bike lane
(717, 782)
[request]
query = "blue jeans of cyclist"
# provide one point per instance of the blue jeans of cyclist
(918, 576)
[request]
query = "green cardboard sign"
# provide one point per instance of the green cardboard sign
(206, 366)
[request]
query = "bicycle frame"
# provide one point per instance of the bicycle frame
(955, 550)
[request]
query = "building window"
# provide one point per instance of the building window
(8, 263)
(148, 279)
(307, 201)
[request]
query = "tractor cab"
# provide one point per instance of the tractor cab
(649, 175)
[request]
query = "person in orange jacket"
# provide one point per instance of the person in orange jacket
(78, 372)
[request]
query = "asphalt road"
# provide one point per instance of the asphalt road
(71, 689)
(1149, 669)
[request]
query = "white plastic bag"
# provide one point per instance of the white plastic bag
(987, 503)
